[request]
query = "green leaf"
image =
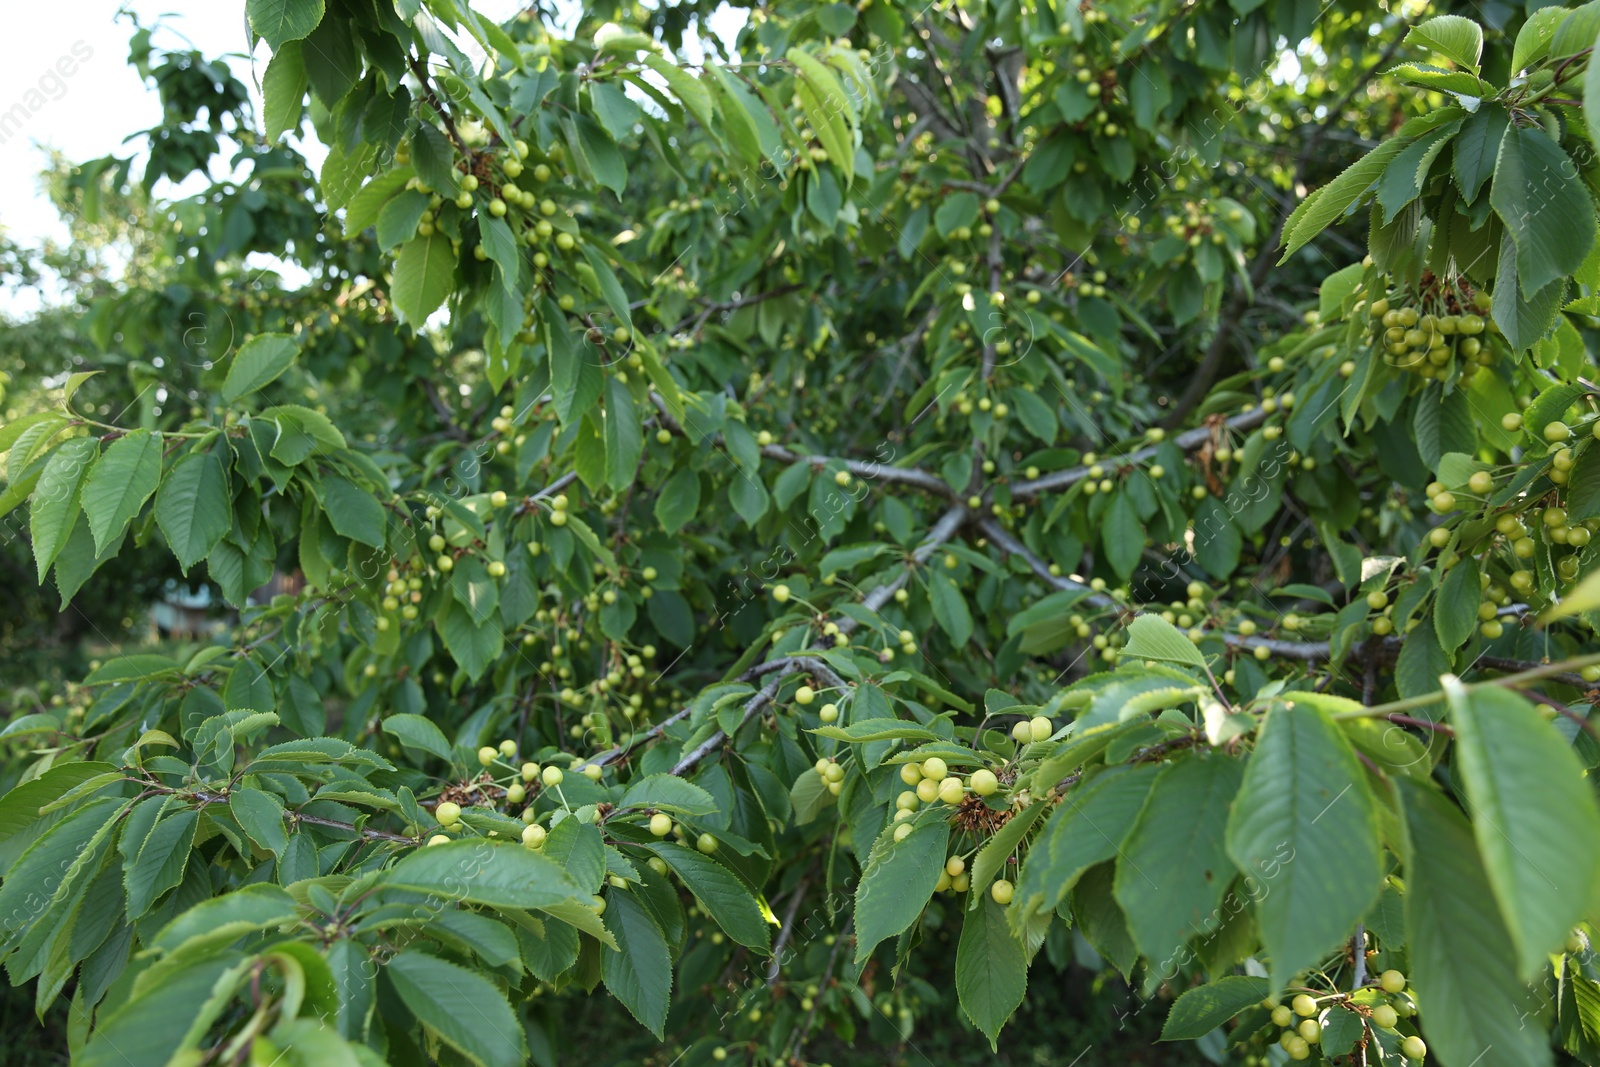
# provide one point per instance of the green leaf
(991, 969)
(1122, 535)
(420, 733)
(466, 1010)
(827, 109)
(898, 882)
(1533, 40)
(1455, 613)
(260, 815)
(353, 511)
(161, 860)
(1463, 963)
(624, 438)
(137, 668)
(687, 88)
(598, 152)
(1173, 870)
(1305, 824)
(610, 288)
(1088, 827)
(1533, 813)
(638, 972)
(53, 508)
(473, 644)
(949, 608)
(720, 893)
(1204, 1008)
(1545, 206)
(258, 362)
(1478, 145)
(228, 917)
(424, 270)
(278, 21)
(1421, 662)
(283, 90)
(998, 850)
(668, 792)
(679, 500)
(192, 507)
(1323, 207)
(38, 872)
(169, 1011)
(1152, 637)
(1458, 39)
(501, 875)
(124, 478)
(956, 211)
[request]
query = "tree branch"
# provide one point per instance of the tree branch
(1187, 441)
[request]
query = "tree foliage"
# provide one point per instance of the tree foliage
(942, 479)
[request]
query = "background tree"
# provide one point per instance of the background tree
(945, 482)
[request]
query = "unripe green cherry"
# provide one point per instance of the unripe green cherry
(780, 593)
(935, 768)
(1384, 1017)
(448, 813)
(1481, 483)
(661, 824)
(1556, 431)
(1392, 981)
(551, 776)
(1311, 1031)
(910, 773)
(902, 831)
(1303, 1005)
(533, 835)
(1414, 1048)
(1040, 728)
(1377, 600)
(983, 782)
(706, 843)
(829, 713)
(804, 695)
(1022, 733)
(951, 790)
(1001, 891)
(488, 754)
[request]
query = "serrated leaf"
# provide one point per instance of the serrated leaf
(1466, 986)
(1173, 870)
(1458, 39)
(53, 508)
(638, 972)
(278, 21)
(1533, 814)
(466, 1010)
(124, 478)
(721, 894)
(1152, 637)
(1304, 823)
(991, 969)
(1200, 1010)
(193, 506)
(424, 270)
(897, 883)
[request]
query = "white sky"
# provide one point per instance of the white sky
(104, 100)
